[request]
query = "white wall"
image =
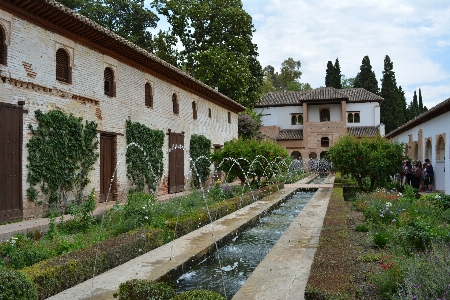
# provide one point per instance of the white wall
(432, 129)
(369, 113)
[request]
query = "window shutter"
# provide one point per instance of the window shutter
(107, 88)
(113, 93)
(69, 75)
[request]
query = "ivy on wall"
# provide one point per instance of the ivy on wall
(61, 152)
(200, 146)
(144, 156)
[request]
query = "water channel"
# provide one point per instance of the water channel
(244, 252)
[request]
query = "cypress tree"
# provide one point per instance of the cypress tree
(415, 107)
(421, 109)
(366, 78)
(330, 74)
(393, 108)
(337, 84)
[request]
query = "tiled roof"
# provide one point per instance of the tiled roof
(432, 113)
(363, 131)
(290, 134)
(281, 98)
(360, 94)
(322, 93)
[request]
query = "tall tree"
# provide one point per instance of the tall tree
(127, 18)
(217, 45)
(392, 110)
(329, 77)
(421, 108)
(366, 78)
(333, 75)
(290, 72)
(337, 75)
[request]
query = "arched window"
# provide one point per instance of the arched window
(175, 104)
(293, 120)
(148, 95)
(356, 117)
(63, 69)
(297, 119)
(229, 117)
(428, 149)
(324, 142)
(110, 84)
(296, 155)
(440, 149)
(324, 115)
(323, 154)
(313, 155)
(194, 110)
(209, 113)
(3, 48)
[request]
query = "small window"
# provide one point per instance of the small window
(175, 104)
(110, 84)
(297, 119)
(194, 110)
(353, 117)
(325, 142)
(148, 95)
(3, 48)
(63, 69)
(229, 117)
(209, 113)
(324, 115)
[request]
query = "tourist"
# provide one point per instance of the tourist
(408, 173)
(429, 177)
(417, 175)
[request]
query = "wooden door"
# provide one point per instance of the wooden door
(106, 166)
(11, 206)
(176, 162)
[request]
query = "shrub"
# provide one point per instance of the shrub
(200, 151)
(144, 290)
(387, 276)
(15, 286)
(362, 228)
(57, 274)
(199, 294)
(380, 237)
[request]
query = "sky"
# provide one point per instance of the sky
(414, 33)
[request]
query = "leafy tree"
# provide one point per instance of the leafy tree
(370, 161)
(164, 47)
(347, 83)
(249, 123)
(267, 85)
(250, 160)
(127, 18)
(217, 45)
(290, 72)
(392, 110)
(366, 78)
(287, 80)
(200, 151)
(333, 75)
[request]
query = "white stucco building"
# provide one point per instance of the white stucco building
(55, 59)
(307, 123)
(428, 136)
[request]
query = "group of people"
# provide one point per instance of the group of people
(419, 176)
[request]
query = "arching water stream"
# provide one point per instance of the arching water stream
(242, 254)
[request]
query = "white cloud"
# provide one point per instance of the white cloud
(315, 32)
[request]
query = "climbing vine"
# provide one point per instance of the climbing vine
(200, 146)
(144, 156)
(61, 152)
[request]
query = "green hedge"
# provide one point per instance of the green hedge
(55, 275)
(15, 286)
(197, 219)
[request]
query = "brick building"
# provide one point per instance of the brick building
(55, 59)
(307, 123)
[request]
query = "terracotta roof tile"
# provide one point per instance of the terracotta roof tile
(363, 131)
(290, 134)
(322, 93)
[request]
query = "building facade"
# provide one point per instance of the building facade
(307, 123)
(428, 136)
(55, 59)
